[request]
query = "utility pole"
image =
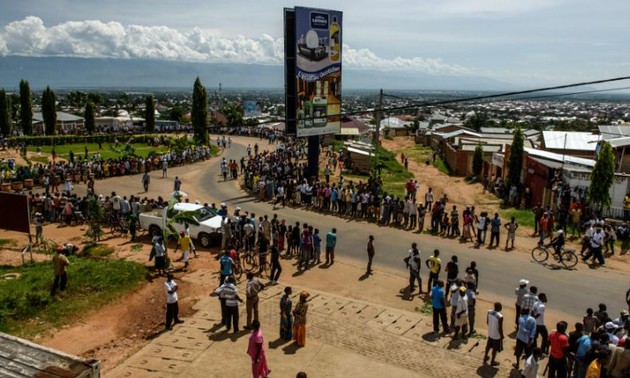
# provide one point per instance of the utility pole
(376, 141)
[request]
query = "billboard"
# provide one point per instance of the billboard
(252, 109)
(318, 46)
(17, 206)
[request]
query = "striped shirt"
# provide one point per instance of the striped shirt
(228, 292)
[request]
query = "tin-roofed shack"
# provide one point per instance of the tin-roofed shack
(22, 358)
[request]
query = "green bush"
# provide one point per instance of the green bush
(91, 284)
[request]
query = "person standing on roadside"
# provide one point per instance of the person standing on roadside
(172, 306)
(511, 228)
(253, 287)
(370, 253)
(452, 271)
(520, 293)
(256, 350)
(60, 262)
(597, 240)
(495, 334)
(331, 242)
(428, 199)
(524, 336)
(438, 300)
(434, 264)
(461, 314)
(559, 351)
(229, 294)
(276, 268)
(495, 230)
(412, 261)
(541, 329)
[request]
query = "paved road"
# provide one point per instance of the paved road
(570, 292)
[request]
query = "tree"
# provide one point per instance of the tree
(90, 123)
(602, 177)
(49, 111)
(477, 163)
(149, 115)
(26, 111)
(515, 161)
(233, 113)
(477, 121)
(5, 114)
(199, 113)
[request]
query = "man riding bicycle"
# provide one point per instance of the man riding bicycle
(557, 243)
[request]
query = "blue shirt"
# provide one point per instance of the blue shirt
(583, 345)
(526, 328)
(331, 239)
(226, 265)
(317, 241)
(437, 296)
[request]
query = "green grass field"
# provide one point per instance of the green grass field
(63, 151)
(27, 309)
(523, 217)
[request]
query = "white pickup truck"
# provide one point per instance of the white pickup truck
(206, 233)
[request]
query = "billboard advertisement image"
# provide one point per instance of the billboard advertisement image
(252, 109)
(318, 71)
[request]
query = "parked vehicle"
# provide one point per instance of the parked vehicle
(206, 233)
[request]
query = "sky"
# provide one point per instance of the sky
(528, 43)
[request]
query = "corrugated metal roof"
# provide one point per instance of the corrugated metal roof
(486, 148)
(570, 140)
(360, 152)
(61, 117)
(619, 142)
(614, 131)
(559, 157)
(456, 133)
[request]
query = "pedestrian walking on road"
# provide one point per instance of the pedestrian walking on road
(299, 315)
(412, 261)
(495, 334)
(286, 314)
(253, 287)
(438, 300)
(256, 350)
(331, 242)
(435, 265)
(60, 262)
(276, 268)
(172, 306)
(370, 253)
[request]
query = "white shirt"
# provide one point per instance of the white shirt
(168, 286)
(539, 310)
(531, 368)
(462, 305)
(412, 263)
(493, 324)
(597, 240)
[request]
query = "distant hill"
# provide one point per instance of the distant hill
(60, 72)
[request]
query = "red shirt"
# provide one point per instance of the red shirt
(558, 342)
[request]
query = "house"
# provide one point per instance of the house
(66, 124)
(352, 127)
(574, 143)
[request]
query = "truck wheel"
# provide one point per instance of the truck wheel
(153, 229)
(204, 240)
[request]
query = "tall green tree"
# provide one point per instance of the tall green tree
(89, 115)
(477, 121)
(477, 163)
(515, 161)
(26, 110)
(233, 113)
(5, 114)
(149, 114)
(49, 111)
(199, 113)
(602, 177)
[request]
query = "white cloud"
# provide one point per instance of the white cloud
(93, 38)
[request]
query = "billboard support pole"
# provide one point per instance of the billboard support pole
(313, 155)
(376, 139)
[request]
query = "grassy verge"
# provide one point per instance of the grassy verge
(5, 243)
(63, 151)
(27, 309)
(523, 217)
(97, 250)
(442, 166)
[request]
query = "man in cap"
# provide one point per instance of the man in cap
(622, 319)
(60, 262)
(611, 329)
(520, 292)
(461, 314)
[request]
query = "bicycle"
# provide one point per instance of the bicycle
(251, 263)
(567, 257)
